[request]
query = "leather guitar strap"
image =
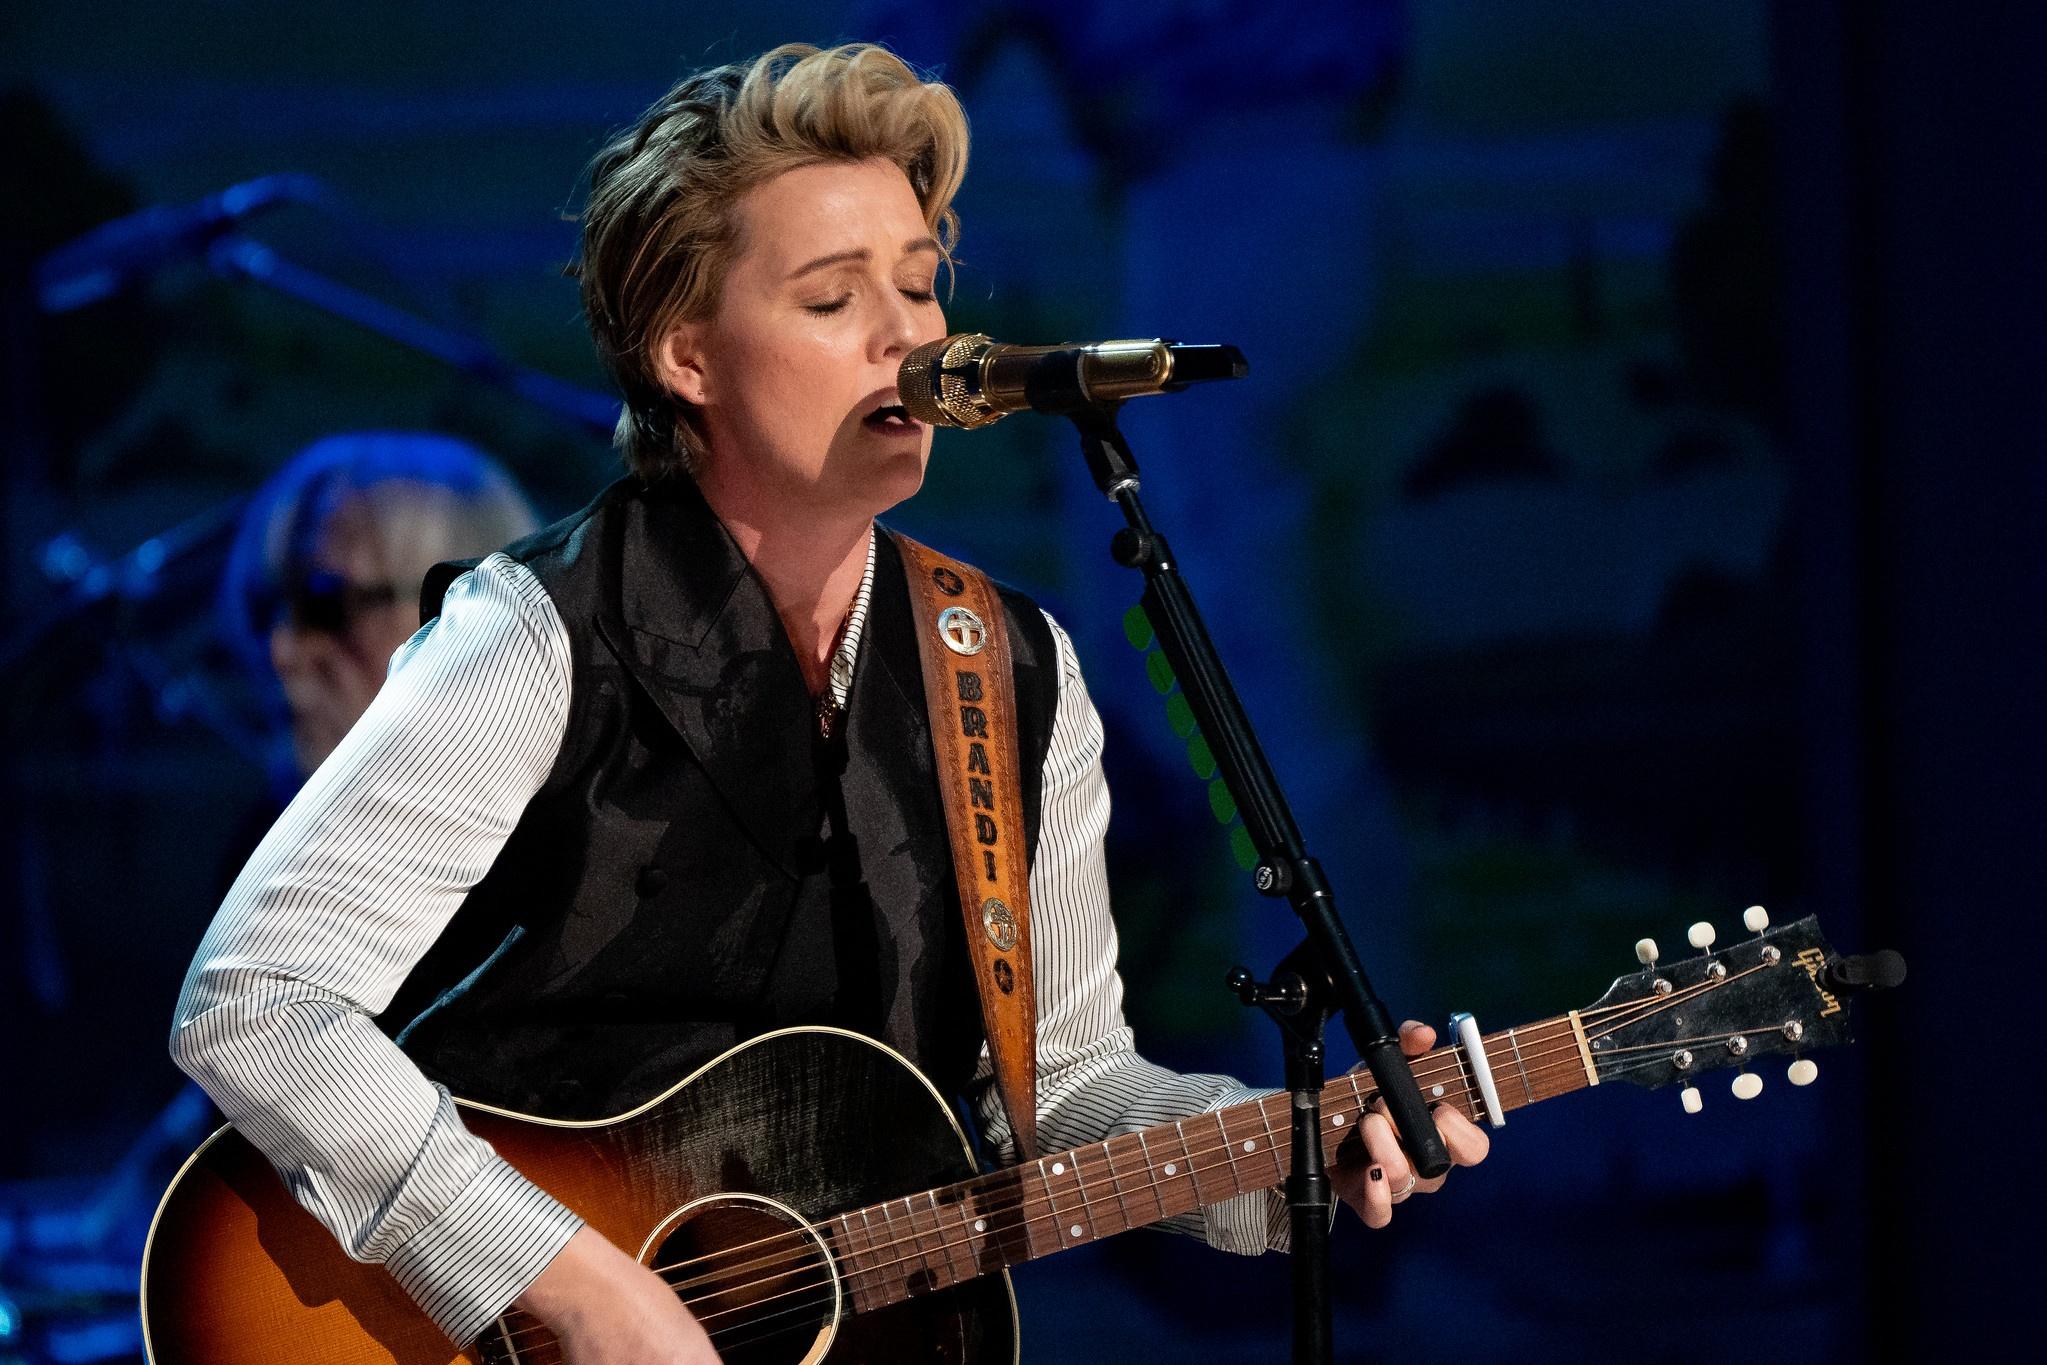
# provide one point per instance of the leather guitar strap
(970, 687)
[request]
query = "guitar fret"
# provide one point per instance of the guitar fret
(1103, 1216)
(953, 1246)
(1467, 1104)
(873, 1293)
(1229, 1143)
(890, 1287)
(1185, 1166)
(1273, 1158)
(925, 1271)
(1068, 1232)
(1116, 1185)
(1052, 1234)
(1151, 1174)
(1521, 1066)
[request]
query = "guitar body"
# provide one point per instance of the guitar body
(778, 1134)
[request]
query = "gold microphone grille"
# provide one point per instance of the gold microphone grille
(914, 381)
(940, 382)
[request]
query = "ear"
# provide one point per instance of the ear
(679, 363)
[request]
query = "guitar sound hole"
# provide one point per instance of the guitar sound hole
(756, 1276)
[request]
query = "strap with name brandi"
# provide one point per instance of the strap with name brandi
(970, 689)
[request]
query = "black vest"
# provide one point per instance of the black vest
(698, 868)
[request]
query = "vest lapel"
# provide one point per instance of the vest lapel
(695, 627)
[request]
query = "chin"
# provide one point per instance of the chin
(891, 478)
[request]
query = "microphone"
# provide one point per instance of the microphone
(969, 381)
(91, 267)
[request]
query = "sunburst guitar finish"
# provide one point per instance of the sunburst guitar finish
(728, 1184)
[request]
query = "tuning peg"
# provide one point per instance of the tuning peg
(1645, 951)
(1691, 1099)
(1756, 918)
(1701, 935)
(1804, 1071)
(1747, 1085)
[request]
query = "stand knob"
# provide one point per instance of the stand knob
(1645, 951)
(1756, 918)
(1701, 935)
(1804, 1071)
(1747, 1085)
(1691, 1099)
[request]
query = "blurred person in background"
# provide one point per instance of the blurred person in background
(322, 585)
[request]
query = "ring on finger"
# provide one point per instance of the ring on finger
(1405, 1190)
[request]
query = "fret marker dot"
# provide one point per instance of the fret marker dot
(1170, 1168)
(1250, 1146)
(1059, 1168)
(980, 1225)
(1075, 1229)
(1437, 1091)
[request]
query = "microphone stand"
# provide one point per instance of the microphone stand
(1322, 977)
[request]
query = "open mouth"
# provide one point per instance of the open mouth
(891, 417)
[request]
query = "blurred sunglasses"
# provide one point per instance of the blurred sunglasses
(328, 602)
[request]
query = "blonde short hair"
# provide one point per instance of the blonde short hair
(658, 226)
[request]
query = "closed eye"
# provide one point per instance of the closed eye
(824, 309)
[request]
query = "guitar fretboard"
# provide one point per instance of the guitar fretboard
(912, 1245)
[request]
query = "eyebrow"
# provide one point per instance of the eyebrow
(915, 244)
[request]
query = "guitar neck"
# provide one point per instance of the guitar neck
(909, 1246)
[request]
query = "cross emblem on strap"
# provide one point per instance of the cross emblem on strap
(962, 631)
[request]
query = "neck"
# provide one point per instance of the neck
(911, 1245)
(811, 560)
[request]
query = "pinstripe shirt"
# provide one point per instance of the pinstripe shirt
(368, 864)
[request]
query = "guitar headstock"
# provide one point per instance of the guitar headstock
(1781, 991)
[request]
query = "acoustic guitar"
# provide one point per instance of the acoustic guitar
(812, 1197)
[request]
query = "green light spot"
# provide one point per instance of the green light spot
(1137, 628)
(1180, 715)
(1198, 754)
(1221, 802)
(1160, 672)
(1245, 851)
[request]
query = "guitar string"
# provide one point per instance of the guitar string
(1663, 1002)
(851, 1256)
(798, 1241)
(1569, 1046)
(807, 1308)
(921, 1252)
(815, 1311)
(1005, 1180)
(924, 1253)
(810, 1307)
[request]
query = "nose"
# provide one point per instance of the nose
(906, 325)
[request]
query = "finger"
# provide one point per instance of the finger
(1384, 1149)
(1467, 1141)
(1372, 1197)
(1416, 1037)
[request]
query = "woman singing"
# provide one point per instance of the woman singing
(655, 781)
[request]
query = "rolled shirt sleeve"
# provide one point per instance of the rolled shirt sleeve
(344, 895)
(1092, 1084)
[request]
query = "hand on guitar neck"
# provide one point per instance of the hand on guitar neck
(1379, 1177)
(608, 1309)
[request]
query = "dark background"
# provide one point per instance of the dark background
(1632, 515)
